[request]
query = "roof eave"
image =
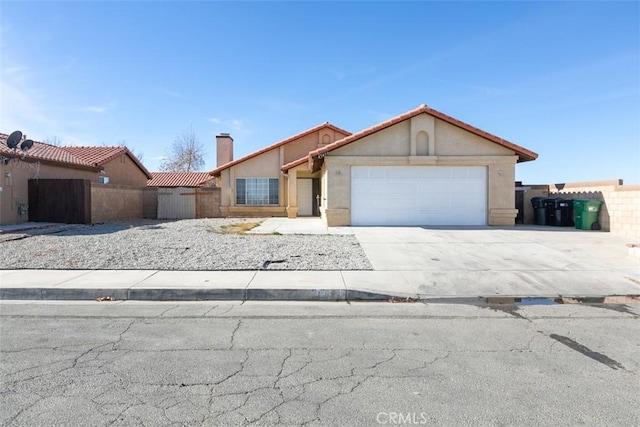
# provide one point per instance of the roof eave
(524, 155)
(217, 171)
(138, 163)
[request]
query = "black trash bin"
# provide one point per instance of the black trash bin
(563, 213)
(550, 210)
(559, 212)
(539, 210)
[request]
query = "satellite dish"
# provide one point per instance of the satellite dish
(26, 145)
(14, 139)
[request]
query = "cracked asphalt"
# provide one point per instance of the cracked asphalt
(209, 363)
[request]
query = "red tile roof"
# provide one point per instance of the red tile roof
(178, 179)
(46, 153)
(295, 163)
(523, 154)
(216, 172)
(101, 155)
(89, 158)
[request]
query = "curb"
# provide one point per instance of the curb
(240, 294)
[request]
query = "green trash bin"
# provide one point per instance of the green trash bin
(586, 213)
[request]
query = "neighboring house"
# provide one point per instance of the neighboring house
(419, 168)
(45, 161)
(117, 165)
(185, 195)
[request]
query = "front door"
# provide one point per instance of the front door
(305, 197)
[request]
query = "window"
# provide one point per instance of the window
(257, 191)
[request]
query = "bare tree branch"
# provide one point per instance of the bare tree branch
(186, 154)
(53, 140)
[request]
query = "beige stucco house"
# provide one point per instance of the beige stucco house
(113, 165)
(420, 168)
(255, 185)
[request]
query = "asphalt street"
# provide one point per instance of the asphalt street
(317, 364)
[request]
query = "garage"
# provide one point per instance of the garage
(418, 195)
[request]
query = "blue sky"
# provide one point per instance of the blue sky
(559, 78)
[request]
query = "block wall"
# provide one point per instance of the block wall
(115, 203)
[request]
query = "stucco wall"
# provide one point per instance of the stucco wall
(267, 165)
(450, 140)
(14, 179)
(529, 192)
(392, 141)
(404, 144)
(123, 171)
(300, 148)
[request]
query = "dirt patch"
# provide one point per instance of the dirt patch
(238, 228)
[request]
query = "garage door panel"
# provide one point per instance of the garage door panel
(418, 195)
(401, 174)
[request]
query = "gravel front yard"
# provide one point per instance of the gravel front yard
(197, 244)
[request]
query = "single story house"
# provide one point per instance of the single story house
(422, 167)
(100, 165)
(117, 165)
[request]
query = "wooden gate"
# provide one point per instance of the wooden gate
(60, 200)
(176, 203)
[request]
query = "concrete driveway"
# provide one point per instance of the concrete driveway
(501, 261)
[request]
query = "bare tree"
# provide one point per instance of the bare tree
(186, 154)
(53, 140)
(139, 154)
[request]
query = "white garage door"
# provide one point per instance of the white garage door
(418, 195)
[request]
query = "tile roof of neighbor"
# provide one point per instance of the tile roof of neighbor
(216, 171)
(524, 155)
(46, 153)
(101, 155)
(178, 179)
(91, 158)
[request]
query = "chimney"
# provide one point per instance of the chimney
(224, 153)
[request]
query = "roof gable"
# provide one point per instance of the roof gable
(99, 156)
(178, 179)
(218, 170)
(523, 154)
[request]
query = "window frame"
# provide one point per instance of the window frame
(254, 191)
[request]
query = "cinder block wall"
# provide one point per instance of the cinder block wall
(150, 203)
(115, 202)
(529, 192)
(209, 202)
(620, 212)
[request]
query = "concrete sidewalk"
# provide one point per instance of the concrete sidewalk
(408, 262)
(308, 285)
